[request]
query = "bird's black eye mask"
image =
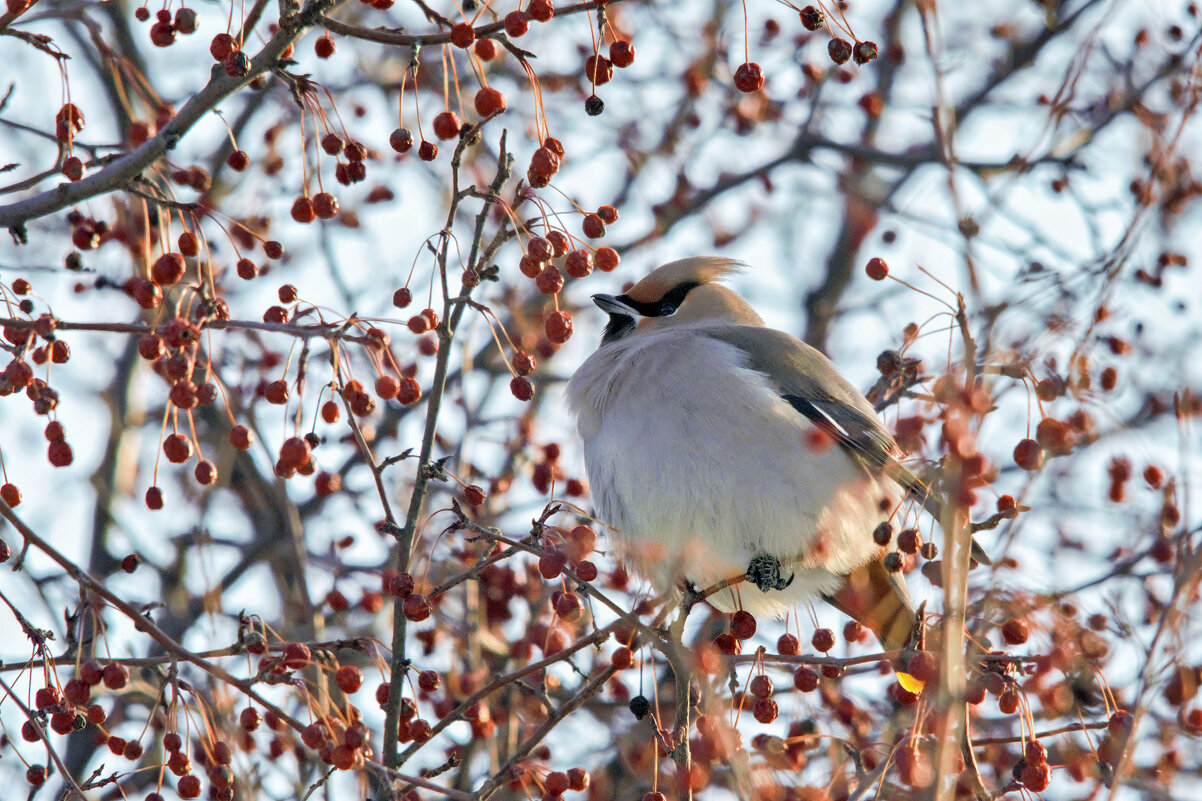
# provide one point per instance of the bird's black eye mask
(665, 306)
(622, 324)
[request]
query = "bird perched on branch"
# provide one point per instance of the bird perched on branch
(719, 448)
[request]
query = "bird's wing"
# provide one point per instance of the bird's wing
(809, 382)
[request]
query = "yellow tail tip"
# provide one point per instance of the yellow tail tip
(909, 683)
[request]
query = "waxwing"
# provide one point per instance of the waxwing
(718, 448)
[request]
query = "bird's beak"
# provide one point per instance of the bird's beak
(611, 306)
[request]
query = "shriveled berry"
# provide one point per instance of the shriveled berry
(558, 327)
(742, 625)
(805, 679)
(416, 607)
(863, 52)
(823, 640)
(839, 50)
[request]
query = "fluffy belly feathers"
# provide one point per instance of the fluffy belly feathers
(695, 491)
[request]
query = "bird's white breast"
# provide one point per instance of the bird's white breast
(701, 466)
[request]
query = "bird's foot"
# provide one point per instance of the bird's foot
(765, 573)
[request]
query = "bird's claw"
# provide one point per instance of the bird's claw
(765, 573)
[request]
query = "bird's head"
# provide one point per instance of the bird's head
(678, 293)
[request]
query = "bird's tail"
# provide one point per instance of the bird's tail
(878, 600)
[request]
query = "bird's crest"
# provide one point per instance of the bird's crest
(698, 270)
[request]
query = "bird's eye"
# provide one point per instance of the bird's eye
(670, 302)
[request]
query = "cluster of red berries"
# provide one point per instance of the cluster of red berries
(545, 162)
(71, 709)
(415, 606)
(909, 543)
(572, 548)
(749, 76)
(18, 375)
(599, 70)
(226, 51)
(342, 744)
(547, 470)
(165, 28)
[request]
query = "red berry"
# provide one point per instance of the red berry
(812, 19)
(1028, 455)
(427, 151)
(162, 34)
(579, 263)
(325, 205)
(607, 259)
(823, 640)
(401, 140)
(864, 52)
(489, 101)
(222, 46)
(416, 607)
(877, 269)
(521, 388)
(598, 69)
(241, 437)
(568, 606)
(302, 210)
(154, 499)
(517, 23)
(524, 363)
(324, 47)
(593, 226)
(621, 53)
(549, 281)
(761, 686)
(558, 327)
(765, 710)
(1015, 631)
(409, 391)
(11, 495)
(177, 448)
(742, 625)
(839, 50)
(749, 77)
(73, 168)
(541, 10)
(115, 675)
(486, 49)
(447, 125)
(349, 679)
(463, 34)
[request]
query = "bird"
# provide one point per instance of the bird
(718, 448)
